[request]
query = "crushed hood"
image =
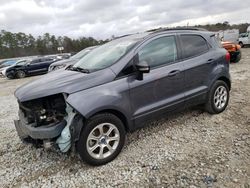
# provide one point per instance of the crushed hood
(62, 81)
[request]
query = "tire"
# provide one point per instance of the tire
(218, 98)
(9, 76)
(91, 138)
(238, 58)
(20, 74)
(241, 44)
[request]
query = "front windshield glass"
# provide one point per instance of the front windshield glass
(106, 55)
(23, 62)
(81, 54)
(9, 63)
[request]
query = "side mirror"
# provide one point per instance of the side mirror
(28, 64)
(142, 67)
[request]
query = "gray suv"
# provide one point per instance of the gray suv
(121, 85)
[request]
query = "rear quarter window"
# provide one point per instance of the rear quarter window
(216, 41)
(193, 45)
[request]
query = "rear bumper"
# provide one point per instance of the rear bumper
(43, 132)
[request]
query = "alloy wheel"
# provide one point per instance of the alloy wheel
(220, 97)
(103, 140)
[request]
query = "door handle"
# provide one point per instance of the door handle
(173, 73)
(210, 61)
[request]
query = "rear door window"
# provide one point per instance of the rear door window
(193, 45)
(216, 41)
(35, 61)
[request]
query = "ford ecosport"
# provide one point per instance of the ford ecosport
(119, 86)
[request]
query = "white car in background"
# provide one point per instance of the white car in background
(3, 70)
(244, 39)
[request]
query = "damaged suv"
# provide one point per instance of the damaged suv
(119, 86)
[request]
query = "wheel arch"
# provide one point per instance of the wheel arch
(226, 80)
(115, 112)
(80, 120)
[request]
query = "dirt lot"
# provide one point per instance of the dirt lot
(190, 149)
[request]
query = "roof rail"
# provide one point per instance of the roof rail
(177, 28)
(121, 36)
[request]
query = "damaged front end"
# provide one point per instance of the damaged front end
(46, 121)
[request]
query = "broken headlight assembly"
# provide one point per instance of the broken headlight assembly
(44, 111)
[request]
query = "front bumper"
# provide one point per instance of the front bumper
(42, 132)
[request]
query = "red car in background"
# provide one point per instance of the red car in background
(234, 50)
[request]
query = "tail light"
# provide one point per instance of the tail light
(227, 57)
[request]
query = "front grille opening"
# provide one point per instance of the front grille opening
(44, 111)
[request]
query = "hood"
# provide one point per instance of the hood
(4, 68)
(3, 71)
(64, 62)
(62, 81)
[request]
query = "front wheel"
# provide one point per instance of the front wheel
(20, 74)
(101, 139)
(218, 98)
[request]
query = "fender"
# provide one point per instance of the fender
(219, 71)
(110, 96)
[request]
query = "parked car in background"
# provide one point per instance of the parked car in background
(64, 56)
(3, 61)
(72, 60)
(234, 50)
(29, 67)
(121, 85)
(244, 39)
(229, 35)
(3, 70)
(8, 63)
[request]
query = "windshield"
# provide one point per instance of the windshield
(9, 63)
(81, 54)
(106, 55)
(22, 62)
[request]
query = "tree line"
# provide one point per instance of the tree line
(21, 44)
(224, 26)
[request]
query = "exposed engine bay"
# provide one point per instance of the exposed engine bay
(44, 111)
(46, 121)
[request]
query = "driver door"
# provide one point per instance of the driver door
(162, 89)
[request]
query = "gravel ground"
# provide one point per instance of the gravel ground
(189, 149)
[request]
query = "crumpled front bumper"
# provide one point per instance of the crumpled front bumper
(42, 132)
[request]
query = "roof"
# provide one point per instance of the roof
(179, 29)
(139, 36)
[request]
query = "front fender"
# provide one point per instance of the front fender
(110, 96)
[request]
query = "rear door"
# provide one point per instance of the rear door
(162, 88)
(46, 62)
(33, 66)
(199, 61)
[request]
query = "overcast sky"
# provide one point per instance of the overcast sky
(103, 18)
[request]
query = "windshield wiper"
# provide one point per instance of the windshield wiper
(78, 69)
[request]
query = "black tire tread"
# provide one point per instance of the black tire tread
(209, 107)
(17, 74)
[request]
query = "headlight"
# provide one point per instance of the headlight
(4, 72)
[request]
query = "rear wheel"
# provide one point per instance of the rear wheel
(241, 44)
(218, 98)
(20, 74)
(102, 139)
